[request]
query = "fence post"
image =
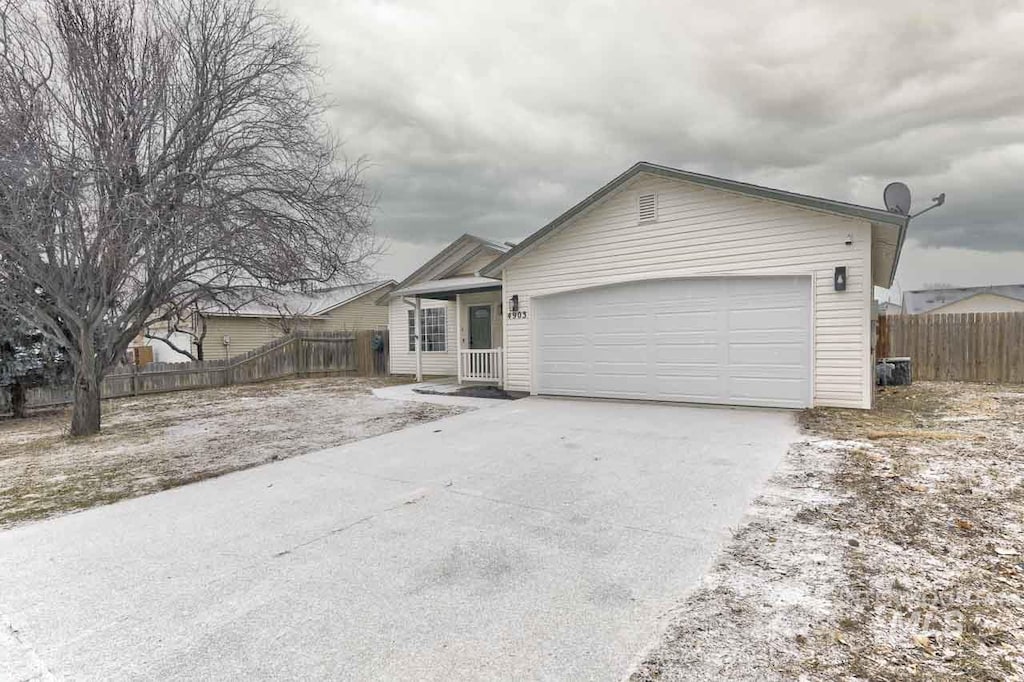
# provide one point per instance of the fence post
(300, 357)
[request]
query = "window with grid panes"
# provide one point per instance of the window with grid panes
(433, 324)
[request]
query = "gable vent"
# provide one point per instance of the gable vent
(648, 204)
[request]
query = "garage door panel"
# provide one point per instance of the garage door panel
(562, 354)
(690, 321)
(699, 389)
(774, 318)
(632, 335)
(788, 355)
(693, 353)
(565, 381)
(625, 355)
(718, 340)
(758, 372)
(573, 340)
(694, 338)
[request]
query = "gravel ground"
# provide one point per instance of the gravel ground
(161, 441)
(889, 546)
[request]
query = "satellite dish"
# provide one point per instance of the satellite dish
(897, 198)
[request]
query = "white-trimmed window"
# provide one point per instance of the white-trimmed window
(433, 323)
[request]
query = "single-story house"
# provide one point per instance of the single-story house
(662, 285)
(458, 310)
(1008, 298)
(144, 349)
(233, 330)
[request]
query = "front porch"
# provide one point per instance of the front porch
(478, 331)
(479, 336)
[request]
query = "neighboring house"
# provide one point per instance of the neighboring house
(669, 285)
(1007, 298)
(889, 308)
(230, 332)
(144, 349)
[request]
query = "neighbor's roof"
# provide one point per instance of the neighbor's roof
(874, 215)
(307, 305)
(925, 300)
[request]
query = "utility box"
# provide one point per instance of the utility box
(893, 372)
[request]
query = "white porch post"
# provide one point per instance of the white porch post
(418, 333)
(458, 336)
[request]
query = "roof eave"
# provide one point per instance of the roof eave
(899, 250)
(335, 306)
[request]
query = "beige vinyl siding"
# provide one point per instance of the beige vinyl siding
(703, 232)
(249, 333)
(246, 334)
(403, 361)
(476, 263)
(982, 303)
(359, 313)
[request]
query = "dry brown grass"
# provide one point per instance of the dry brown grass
(934, 586)
(889, 546)
(152, 443)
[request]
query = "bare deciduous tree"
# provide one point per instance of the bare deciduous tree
(156, 155)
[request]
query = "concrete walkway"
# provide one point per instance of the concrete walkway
(439, 388)
(539, 539)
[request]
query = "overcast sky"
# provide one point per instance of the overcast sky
(494, 117)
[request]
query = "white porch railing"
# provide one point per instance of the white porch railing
(480, 365)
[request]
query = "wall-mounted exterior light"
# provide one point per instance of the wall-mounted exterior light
(839, 278)
(513, 303)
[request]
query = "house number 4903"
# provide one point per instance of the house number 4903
(517, 315)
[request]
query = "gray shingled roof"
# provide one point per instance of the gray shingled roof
(925, 300)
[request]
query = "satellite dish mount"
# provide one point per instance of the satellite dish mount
(897, 200)
(938, 201)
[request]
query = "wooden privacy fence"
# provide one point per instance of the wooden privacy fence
(300, 354)
(986, 347)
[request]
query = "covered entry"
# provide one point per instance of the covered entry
(734, 341)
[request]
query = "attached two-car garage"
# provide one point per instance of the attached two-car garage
(726, 340)
(666, 284)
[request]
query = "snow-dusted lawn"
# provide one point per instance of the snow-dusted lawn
(888, 546)
(156, 442)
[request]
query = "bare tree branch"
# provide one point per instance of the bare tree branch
(170, 344)
(157, 155)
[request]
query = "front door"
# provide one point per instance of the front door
(480, 326)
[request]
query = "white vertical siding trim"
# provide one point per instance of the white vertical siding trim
(504, 330)
(702, 232)
(869, 378)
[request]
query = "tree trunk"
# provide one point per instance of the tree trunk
(18, 400)
(85, 416)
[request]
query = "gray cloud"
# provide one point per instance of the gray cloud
(494, 117)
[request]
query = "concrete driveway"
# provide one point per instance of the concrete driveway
(542, 539)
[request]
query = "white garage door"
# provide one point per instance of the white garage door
(734, 341)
